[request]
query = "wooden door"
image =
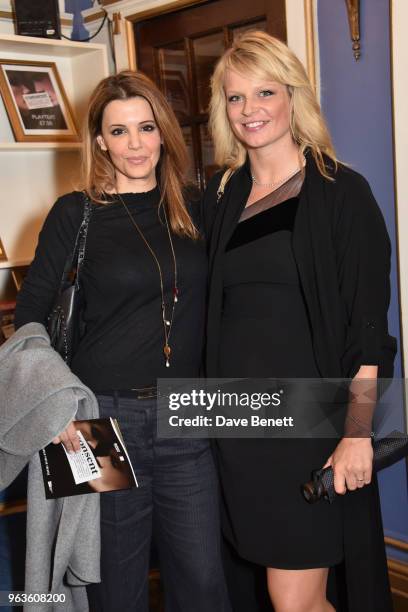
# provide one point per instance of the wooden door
(178, 51)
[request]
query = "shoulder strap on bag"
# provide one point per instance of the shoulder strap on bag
(81, 237)
(76, 257)
(224, 180)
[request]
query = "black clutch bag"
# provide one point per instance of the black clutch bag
(386, 451)
(64, 321)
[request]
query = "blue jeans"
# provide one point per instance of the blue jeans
(176, 503)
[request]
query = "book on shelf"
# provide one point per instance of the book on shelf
(102, 463)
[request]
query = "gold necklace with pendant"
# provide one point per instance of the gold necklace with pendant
(167, 322)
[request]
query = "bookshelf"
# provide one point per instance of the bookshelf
(34, 174)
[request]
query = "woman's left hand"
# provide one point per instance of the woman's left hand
(352, 463)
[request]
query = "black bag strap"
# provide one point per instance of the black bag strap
(81, 237)
(76, 258)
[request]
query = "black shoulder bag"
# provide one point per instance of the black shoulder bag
(64, 323)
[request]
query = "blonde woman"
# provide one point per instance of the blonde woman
(299, 288)
(144, 282)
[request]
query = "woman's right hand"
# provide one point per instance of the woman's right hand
(69, 438)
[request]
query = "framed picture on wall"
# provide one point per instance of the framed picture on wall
(36, 102)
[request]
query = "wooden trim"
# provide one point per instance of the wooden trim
(3, 256)
(13, 507)
(398, 574)
(398, 592)
(131, 44)
(94, 16)
(398, 544)
(398, 233)
(87, 19)
(170, 7)
(310, 42)
(7, 15)
(398, 566)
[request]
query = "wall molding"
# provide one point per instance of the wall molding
(397, 544)
(93, 16)
(310, 41)
(162, 9)
(300, 27)
(399, 51)
(7, 15)
(398, 573)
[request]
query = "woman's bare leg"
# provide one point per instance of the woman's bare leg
(298, 590)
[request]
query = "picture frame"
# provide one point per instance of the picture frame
(18, 274)
(3, 256)
(36, 102)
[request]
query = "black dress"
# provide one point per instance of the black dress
(265, 332)
(342, 252)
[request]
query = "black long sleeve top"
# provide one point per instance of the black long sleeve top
(122, 347)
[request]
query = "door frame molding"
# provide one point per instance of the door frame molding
(399, 93)
(301, 24)
(166, 7)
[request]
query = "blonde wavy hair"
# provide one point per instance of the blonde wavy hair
(98, 170)
(262, 56)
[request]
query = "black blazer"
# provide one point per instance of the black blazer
(342, 250)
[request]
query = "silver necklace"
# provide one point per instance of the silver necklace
(276, 183)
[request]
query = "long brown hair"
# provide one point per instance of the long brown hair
(98, 170)
(258, 54)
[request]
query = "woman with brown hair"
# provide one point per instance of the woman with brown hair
(299, 262)
(143, 281)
